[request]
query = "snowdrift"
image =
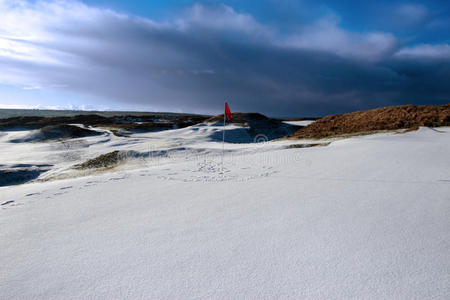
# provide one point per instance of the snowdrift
(57, 132)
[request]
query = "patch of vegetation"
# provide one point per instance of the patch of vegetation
(107, 160)
(293, 146)
(386, 118)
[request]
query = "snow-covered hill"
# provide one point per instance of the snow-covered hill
(366, 217)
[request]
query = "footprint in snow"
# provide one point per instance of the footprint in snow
(60, 193)
(116, 178)
(91, 183)
(66, 187)
(32, 194)
(8, 202)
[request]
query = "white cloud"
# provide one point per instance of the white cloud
(222, 18)
(326, 35)
(18, 106)
(441, 51)
(68, 106)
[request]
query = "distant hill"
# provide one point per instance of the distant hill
(255, 128)
(240, 118)
(385, 118)
(146, 122)
(9, 113)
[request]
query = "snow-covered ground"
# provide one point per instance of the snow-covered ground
(300, 123)
(366, 217)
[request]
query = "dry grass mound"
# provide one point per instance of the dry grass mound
(386, 118)
(107, 160)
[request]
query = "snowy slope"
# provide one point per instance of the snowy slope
(362, 218)
(300, 123)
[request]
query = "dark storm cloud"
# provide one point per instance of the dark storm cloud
(212, 54)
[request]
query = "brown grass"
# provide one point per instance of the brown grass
(386, 118)
(107, 160)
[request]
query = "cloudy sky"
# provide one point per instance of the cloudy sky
(278, 57)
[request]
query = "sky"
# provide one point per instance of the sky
(283, 58)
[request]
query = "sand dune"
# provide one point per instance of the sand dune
(386, 118)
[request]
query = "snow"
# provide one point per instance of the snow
(365, 217)
(300, 123)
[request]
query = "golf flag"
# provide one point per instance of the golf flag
(228, 112)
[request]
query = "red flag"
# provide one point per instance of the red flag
(228, 112)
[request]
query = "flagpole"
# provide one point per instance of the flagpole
(223, 138)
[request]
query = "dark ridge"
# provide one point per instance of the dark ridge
(40, 122)
(258, 127)
(7, 113)
(127, 122)
(18, 176)
(240, 118)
